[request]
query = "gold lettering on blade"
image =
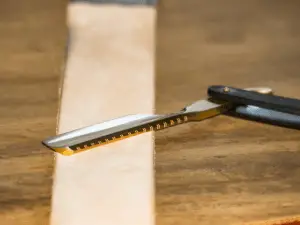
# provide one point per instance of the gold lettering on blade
(144, 130)
(157, 126)
(172, 122)
(165, 125)
(178, 120)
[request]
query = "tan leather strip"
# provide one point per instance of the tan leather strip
(109, 73)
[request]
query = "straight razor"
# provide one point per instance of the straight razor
(89, 137)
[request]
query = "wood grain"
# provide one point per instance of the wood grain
(225, 170)
(32, 44)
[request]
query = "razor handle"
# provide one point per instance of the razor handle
(243, 97)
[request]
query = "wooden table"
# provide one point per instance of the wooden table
(32, 44)
(222, 169)
(225, 170)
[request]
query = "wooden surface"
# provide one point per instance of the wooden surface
(32, 44)
(222, 169)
